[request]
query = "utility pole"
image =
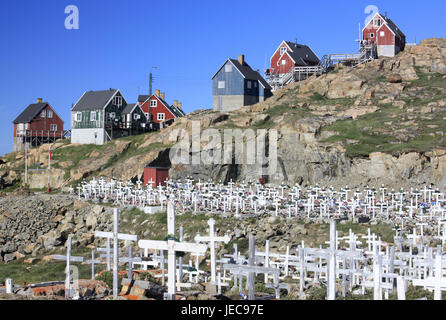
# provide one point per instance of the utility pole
(26, 162)
(48, 190)
(151, 80)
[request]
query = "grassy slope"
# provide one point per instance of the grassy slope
(378, 132)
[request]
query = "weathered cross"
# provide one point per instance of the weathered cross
(438, 282)
(68, 258)
(115, 236)
(172, 247)
(212, 239)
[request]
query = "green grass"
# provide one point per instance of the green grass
(42, 271)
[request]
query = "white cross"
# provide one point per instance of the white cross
(438, 282)
(115, 236)
(172, 246)
(212, 239)
(92, 261)
(68, 258)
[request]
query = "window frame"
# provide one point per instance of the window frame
(248, 84)
(228, 67)
(93, 113)
(50, 114)
(53, 127)
(221, 85)
(163, 116)
(117, 101)
(78, 117)
(283, 50)
(372, 35)
(153, 105)
(43, 114)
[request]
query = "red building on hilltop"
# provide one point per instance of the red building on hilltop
(388, 38)
(157, 109)
(37, 124)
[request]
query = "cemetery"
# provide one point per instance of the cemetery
(249, 241)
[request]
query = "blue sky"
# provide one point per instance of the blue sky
(119, 41)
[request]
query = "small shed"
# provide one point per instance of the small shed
(158, 175)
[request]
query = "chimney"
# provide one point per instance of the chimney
(163, 95)
(179, 105)
(175, 103)
(241, 59)
(157, 92)
(39, 100)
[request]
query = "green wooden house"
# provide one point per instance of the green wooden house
(98, 117)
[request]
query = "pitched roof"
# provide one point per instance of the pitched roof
(94, 100)
(129, 108)
(30, 112)
(393, 26)
(301, 54)
(177, 111)
(248, 73)
(143, 97)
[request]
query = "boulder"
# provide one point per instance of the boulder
(395, 78)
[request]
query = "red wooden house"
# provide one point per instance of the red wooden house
(157, 109)
(37, 124)
(388, 38)
(289, 55)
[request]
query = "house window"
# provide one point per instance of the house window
(53, 127)
(382, 33)
(255, 84)
(228, 68)
(43, 114)
(282, 50)
(377, 22)
(93, 116)
(221, 84)
(248, 83)
(136, 116)
(79, 116)
(372, 35)
(50, 113)
(160, 117)
(153, 103)
(117, 101)
(111, 115)
(283, 62)
(146, 114)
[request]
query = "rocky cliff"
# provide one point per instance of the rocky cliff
(381, 122)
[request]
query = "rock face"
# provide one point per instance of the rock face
(32, 223)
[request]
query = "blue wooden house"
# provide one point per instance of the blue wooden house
(235, 85)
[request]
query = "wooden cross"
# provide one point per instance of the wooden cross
(438, 282)
(251, 269)
(212, 239)
(172, 247)
(130, 260)
(115, 236)
(68, 258)
(92, 261)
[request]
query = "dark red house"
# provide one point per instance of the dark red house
(289, 55)
(37, 124)
(157, 109)
(388, 38)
